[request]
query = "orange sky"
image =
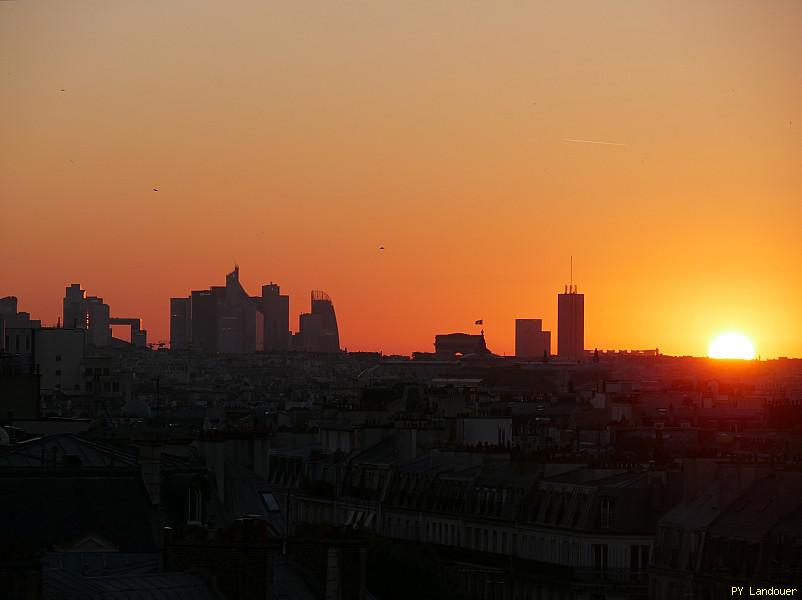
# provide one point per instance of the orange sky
(296, 138)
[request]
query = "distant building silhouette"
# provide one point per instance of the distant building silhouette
(226, 319)
(530, 339)
(93, 315)
(276, 311)
(180, 323)
(318, 330)
(87, 312)
(451, 344)
(138, 335)
(239, 327)
(16, 328)
(570, 324)
(204, 319)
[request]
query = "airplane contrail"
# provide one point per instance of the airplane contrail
(575, 141)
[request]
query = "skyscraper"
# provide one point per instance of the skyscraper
(226, 319)
(530, 339)
(87, 312)
(276, 311)
(180, 323)
(204, 320)
(239, 327)
(318, 330)
(570, 324)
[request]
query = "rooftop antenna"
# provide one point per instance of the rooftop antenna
(571, 278)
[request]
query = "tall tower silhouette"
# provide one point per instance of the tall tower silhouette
(571, 321)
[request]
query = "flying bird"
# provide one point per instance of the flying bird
(155, 189)
(381, 247)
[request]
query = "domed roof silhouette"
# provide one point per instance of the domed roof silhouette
(135, 408)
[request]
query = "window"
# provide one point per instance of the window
(599, 552)
(58, 373)
(606, 512)
(638, 558)
(194, 505)
(58, 358)
(270, 502)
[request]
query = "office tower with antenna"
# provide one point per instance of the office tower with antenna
(571, 321)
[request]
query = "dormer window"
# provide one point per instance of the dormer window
(270, 502)
(606, 512)
(194, 506)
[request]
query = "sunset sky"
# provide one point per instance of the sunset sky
(296, 138)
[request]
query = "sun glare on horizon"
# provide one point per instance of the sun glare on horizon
(731, 345)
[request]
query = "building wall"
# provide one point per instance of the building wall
(180, 323)
(459, 343)
(74, 315)
(204, 321)
(87, 312)
(58, 358)
(99, 322)
(530, 339)
(571, 325)
(328, 336)
(276, 311)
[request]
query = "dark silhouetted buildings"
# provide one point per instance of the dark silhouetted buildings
(530, 339)
(93, 315)
(180, 323)
(276, 311)
(16, 328)
(219, 319)
(570, 324)
(318, 329)
(87, 312)
(451, 344)
(239, 324)
(226, 319)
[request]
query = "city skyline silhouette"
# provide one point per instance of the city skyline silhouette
(298, 142)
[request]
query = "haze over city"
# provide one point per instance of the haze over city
(299, 139)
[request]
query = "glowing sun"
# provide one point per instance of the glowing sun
(731, 345)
